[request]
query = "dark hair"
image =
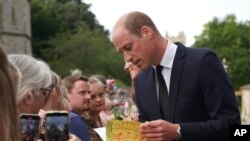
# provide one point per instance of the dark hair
(136, 20)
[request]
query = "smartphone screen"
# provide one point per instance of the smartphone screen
(57, 126)
(29, 125)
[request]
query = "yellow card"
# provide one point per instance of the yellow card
(118, 130)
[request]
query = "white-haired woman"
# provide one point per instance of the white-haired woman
(34, 84)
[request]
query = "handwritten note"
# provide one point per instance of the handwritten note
(117, 130)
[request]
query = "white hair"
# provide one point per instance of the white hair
(16, 74)
(35, 74)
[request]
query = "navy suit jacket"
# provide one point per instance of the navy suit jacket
(201, 97)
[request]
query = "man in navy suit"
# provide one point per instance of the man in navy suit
(201, 103)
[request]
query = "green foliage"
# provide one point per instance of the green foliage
(230, 40)
(68, 36)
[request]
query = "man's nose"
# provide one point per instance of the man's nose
(127, 57)
(88, 96)
(127, 65)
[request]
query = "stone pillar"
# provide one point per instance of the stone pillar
(15, 26)
(245, 104)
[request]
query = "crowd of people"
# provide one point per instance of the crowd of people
(29, 86)
(180, 93)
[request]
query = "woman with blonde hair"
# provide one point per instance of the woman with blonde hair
(8, 111)
(58, 98)
(57, 101)
(97, 104)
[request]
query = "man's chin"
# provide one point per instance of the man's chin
(143, 67)
(86, 109)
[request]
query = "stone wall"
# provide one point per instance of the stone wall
(15, 26)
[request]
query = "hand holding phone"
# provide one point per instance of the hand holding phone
(57, 126)
(29, 124)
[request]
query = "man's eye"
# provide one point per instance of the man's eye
(120, 51)
(127, 48)
(93, 97)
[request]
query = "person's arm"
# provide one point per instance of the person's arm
(79, 128)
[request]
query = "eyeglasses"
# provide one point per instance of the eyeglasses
(46, 92)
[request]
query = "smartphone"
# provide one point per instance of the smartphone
(57, 126)
(29, 124)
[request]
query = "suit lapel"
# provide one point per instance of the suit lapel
(175, 79)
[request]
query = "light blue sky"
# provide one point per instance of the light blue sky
(171, 16)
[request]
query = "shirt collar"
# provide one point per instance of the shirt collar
(168, 57)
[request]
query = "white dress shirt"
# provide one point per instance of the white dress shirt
(167, 63)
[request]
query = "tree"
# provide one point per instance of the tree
(230, 40)
(68, 36)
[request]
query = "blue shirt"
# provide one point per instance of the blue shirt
(78, 126)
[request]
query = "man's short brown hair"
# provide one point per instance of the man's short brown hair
(69, 81)
(136, 20)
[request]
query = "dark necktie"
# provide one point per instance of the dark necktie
(163, 92)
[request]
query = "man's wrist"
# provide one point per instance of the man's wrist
(178, 133)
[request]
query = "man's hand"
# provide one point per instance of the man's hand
(159, 130)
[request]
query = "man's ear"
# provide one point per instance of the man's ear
(146, 32)
(28, 98)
